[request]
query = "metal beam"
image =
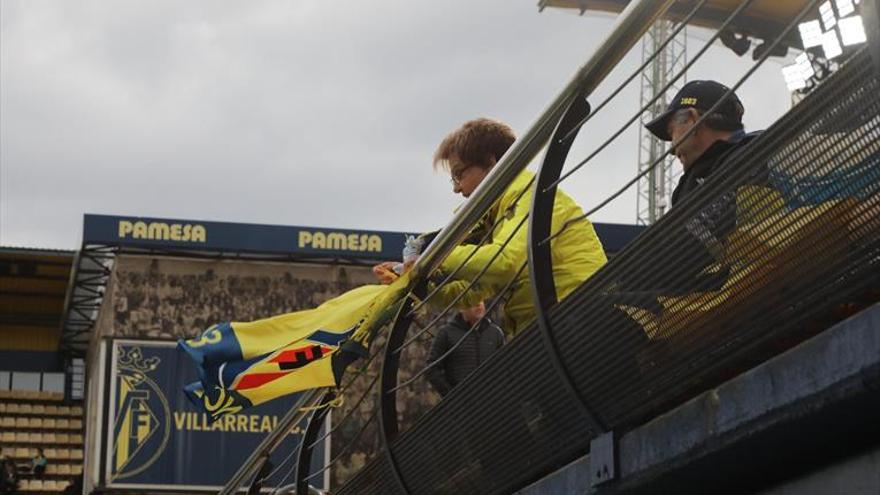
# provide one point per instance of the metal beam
(22, 293)
(653, 198)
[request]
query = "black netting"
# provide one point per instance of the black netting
(542, 420)
(780, 243)
(376, 478)
(769, 252)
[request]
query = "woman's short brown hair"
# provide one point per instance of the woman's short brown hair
(481, 142)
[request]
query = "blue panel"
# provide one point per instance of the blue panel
(615, 236)
(164, 233)
(197, 235)
(160, 439)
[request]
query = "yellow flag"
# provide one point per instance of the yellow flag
(245, 364)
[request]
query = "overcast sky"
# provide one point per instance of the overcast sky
(303, 112)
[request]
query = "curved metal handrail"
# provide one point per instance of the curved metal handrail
(540, 255)
(629, 28)
(639, 14)
(304, 459)
(388, 427)
(270, 442)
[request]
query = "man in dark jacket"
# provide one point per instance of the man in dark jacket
(712, 143)
(699, 239)
(468, 354)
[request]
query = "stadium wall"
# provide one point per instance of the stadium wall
(149, 303)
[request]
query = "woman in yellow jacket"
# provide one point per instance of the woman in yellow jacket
(468, 154)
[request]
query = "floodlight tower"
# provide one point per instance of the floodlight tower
(655, 188)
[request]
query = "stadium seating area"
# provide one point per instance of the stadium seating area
(30, 420)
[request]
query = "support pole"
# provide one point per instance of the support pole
(271, 442)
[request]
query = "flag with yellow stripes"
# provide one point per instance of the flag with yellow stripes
(244, 364)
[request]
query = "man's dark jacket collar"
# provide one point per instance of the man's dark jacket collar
(709, 162)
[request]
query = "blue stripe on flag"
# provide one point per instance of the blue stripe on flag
(329, 338)
(217, 344)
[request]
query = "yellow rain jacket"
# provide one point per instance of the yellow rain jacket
(577, 253)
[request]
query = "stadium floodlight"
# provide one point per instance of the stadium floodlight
(793, 79)
(826, 11)
(852, 30)
(844, 7)
(831, 45)
(811, 33)
(797, 74)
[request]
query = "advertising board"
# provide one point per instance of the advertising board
(155, 439)
(197, 235)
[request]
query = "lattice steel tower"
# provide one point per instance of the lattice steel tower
(655, 189)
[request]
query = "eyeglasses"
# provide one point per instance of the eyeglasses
(457, 175)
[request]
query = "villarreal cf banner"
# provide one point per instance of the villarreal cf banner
(154, 438)
(244, 364)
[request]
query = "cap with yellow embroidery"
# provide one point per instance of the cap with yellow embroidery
(701, 95)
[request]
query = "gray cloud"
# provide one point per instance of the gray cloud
(304, 113)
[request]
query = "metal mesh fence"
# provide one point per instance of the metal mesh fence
(780, 242)
(780, 237)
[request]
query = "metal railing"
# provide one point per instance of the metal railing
(630, 26)
(650, 375)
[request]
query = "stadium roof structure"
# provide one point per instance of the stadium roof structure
(105, 236)
(764, 19)
(33, 284)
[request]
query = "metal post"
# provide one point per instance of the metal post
(271, 442)
(870, 11)
(304, 458)
(655, 189)
(388, 427)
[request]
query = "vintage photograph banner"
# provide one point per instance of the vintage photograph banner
(170, 298)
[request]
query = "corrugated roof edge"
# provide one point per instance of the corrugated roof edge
(32, 250)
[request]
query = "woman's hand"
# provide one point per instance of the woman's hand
(409, 263)
(385, 272)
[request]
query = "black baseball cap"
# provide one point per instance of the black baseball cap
(701, 95)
